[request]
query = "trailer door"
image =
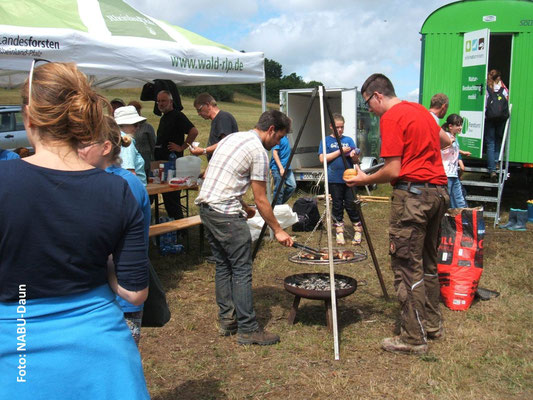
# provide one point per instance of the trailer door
(473, 84)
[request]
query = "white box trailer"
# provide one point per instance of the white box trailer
(361, 125)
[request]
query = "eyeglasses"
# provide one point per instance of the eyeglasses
(370, 98)
(200, 108)
(30, 78)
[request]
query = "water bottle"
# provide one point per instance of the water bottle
(172, 161)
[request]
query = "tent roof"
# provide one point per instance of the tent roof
(118, 45)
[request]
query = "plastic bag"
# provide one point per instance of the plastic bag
(283, 213)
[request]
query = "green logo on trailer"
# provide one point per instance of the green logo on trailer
(465, 125)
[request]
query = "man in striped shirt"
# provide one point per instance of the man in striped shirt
(240, 161)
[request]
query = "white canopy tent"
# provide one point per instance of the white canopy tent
(116, 44)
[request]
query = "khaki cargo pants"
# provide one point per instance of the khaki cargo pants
(414, 234)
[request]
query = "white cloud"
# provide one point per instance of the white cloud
(206, 11)
(413, 95)
(338, 43)
(309, 41)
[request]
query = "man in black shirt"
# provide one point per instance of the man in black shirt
(173, 127)
(222, 123)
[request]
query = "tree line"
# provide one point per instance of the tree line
(275, 80)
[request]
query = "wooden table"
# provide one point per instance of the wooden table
(160, 188)
(155, 189)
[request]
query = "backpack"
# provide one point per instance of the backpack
(308, 215)
(497, 106)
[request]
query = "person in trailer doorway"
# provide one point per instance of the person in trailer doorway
(341, 195)
(240, 161)
(496, 114)
(410, 144)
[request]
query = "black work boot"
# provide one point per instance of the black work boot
(396, 345)
(436, 335)
(260, 337)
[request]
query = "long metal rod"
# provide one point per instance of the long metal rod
(503, 159)
(328, 224)
(283, 178)
(358, 207)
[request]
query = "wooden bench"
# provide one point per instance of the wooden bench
(177, 225)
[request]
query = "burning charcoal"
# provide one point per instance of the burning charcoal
(319, 283)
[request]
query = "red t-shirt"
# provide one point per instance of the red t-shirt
(409, 131)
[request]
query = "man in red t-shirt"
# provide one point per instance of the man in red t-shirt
(410, 144)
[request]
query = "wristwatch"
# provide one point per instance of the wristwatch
(205, 151)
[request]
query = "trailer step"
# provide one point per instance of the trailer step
(480, 184)
(483, 199)
(476, 169)
(489, 214)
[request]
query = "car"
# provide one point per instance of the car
(12, 132)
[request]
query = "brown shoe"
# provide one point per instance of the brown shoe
(396, 345)
(260, 337)
(436, 335)
(227, 330)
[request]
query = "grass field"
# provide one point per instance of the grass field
(487, 352)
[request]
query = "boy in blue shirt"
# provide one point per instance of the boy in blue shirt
(341, 195)
(278, 166)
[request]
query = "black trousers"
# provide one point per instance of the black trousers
(342, 198)
(173, 204)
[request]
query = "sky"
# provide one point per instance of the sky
(337, 42)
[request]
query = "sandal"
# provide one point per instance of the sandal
(358, 234)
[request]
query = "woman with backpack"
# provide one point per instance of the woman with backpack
(496, 113)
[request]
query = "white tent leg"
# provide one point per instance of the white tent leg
(263, 97)
(328, 224)
(269, 189)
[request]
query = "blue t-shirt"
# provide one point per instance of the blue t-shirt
(141, 195)
(57, 229)
(336, 167)
(8, 155)
(284, 152)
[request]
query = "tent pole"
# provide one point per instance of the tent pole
(328, 224)
(269, 189)
(263, 96)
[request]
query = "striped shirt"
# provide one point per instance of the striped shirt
(238, 159)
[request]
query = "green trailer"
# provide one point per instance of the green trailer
(461, 41)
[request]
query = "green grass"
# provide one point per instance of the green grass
(487, 352)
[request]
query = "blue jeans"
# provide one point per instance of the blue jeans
(342, 197)
(230, 241)
(455, 190)
(288, 188)
(493, 141)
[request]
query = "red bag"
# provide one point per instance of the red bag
(460, 256)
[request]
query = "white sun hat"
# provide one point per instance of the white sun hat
(127, 116)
